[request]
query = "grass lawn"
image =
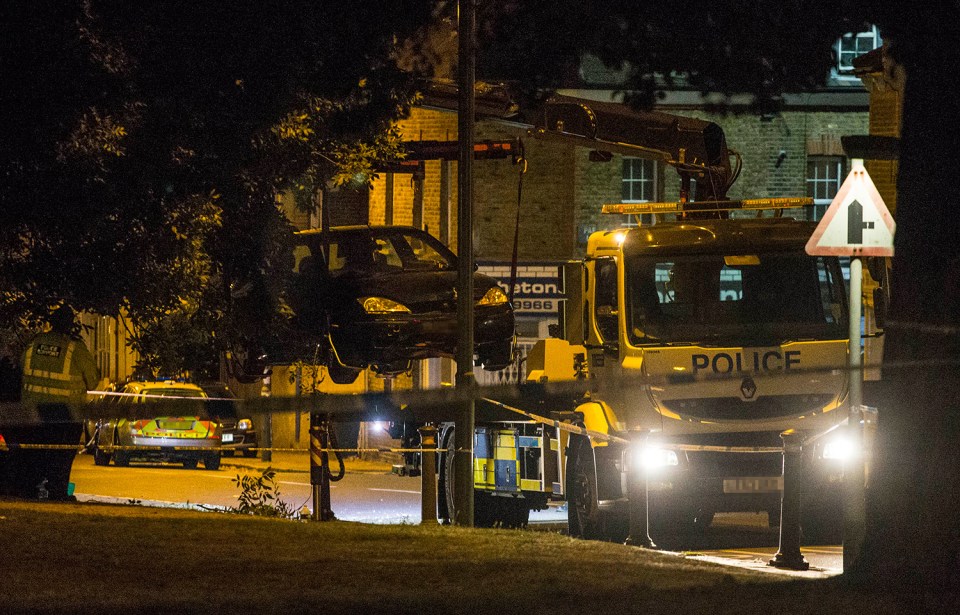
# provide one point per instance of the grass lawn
(91, 558)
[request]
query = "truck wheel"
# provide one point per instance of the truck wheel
(583, 510)
(447, 511)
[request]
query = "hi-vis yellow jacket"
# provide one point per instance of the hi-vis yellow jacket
(57, 368)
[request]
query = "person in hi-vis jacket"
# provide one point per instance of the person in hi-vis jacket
(57, 371)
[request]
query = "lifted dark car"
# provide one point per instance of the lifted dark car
(381, 297)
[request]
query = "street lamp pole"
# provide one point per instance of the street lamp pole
(463, 435)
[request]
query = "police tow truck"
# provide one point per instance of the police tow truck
(712, 332)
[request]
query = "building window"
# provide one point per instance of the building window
(855, 44)
(824, 176)
(639, 180)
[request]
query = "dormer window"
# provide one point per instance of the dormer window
(855, 44)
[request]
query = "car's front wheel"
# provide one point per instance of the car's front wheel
(342, 374)
(211, 461)
(495, 357)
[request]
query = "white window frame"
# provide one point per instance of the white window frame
(858, 43)
(828, 173)
(646, 179)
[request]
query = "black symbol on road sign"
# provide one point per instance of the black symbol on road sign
(855, 223)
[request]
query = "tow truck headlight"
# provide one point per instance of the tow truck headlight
(244, 424)
(655, 457)
(382, 305)
(494, 296)
(839, 449)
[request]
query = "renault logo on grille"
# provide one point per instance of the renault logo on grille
(748, 388)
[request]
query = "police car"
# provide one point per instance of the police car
(187, 436)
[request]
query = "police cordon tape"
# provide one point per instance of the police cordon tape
(420, 406)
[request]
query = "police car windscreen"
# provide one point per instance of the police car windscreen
(762, 298)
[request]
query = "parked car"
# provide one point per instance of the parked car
(238, 432)
(381, 297)
(187, 437)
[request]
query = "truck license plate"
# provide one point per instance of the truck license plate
(762, 484)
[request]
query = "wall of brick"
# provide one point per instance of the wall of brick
(563, 190)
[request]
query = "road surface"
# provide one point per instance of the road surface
(369, 493)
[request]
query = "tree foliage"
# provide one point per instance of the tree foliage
(144, 143)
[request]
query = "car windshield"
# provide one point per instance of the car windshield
(378, 252)
(709, 299)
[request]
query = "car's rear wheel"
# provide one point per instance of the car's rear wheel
(211, 461)
(121, 459)
(191, 464)
(100, 458)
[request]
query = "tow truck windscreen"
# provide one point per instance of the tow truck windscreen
(762, 298)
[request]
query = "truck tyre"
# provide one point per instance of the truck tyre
(583, 510)
(484, 508)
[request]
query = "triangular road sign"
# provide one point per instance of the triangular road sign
(857, 222)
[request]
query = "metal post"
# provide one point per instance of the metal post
(637, 493)
(267, 429)
(445, 201)
(428, 476)
(854, 510)
(388, 201)
(320, 468)
(463, 466)
(298, 393)
(789, 556)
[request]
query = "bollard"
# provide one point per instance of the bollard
(789, 556)
(428, 474)
(320, 468)
(637, 493)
